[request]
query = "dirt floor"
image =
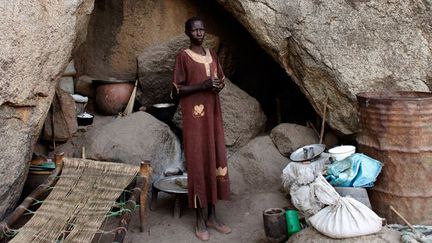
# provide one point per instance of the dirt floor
(243, 214)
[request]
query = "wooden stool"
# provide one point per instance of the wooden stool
(167, 185)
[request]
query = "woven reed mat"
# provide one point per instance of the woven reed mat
(78, 203)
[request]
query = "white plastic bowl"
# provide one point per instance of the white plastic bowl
(341, 152)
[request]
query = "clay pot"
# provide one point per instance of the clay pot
(112, 98)
(275, 225)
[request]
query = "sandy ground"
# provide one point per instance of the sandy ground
(243, 214)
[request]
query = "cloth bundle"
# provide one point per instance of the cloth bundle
(297, 179)
(344, 217)
(358, 170)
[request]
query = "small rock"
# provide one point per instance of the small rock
(70, 69)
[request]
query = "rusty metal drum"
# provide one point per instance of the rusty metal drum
(396, 129)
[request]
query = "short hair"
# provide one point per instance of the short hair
(188, 23)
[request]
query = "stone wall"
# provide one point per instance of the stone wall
(339, 48)
(37, 41)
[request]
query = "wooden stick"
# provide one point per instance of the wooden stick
(145, 172)
(41, 189)
(323, 120)
(400, 216)
(129, 108)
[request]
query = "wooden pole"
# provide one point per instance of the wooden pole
(402, 217)
(323, 120)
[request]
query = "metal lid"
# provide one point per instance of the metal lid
(307, 152)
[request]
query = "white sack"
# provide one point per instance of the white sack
(303, 198)
(344, 217)
(303, 174)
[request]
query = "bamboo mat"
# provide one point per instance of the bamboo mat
(79, 202)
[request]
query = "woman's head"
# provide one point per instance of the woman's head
(195, 30)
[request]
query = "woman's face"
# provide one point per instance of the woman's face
(196, 32)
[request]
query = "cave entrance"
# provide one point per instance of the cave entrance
(119, 30)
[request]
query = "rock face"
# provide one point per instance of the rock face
(242, 117)
(289, 137)
(120, 30)
(257, 166)
(339, 48)
(156, 65)
(135, 138)
(37, 39)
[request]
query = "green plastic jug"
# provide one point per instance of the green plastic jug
(292, 220)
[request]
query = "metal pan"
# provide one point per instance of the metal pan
(307, 152)
(168, 184)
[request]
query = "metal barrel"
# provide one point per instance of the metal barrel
(396, 129)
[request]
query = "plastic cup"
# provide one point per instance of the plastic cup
(292, 220)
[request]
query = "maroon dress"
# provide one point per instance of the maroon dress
(203, 134)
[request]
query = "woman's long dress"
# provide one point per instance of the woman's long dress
(203, 134)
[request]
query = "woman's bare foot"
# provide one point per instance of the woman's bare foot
(216, 224)
(201, 231)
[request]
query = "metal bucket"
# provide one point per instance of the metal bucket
(396, 129)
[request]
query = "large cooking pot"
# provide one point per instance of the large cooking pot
(163, 111)
(112, 97)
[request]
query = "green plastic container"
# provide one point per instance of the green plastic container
(292, 220)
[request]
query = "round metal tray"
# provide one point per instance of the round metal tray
(168, 184)
(299, 155)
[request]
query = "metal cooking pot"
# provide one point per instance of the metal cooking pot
(163, 111)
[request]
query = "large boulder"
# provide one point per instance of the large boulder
(242, 116)
(38, 38)
(339, 48)
(155, 68)
(256, 167)
(288, 137)
(135, 138)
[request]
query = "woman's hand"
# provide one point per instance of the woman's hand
(215, 85)
(207, 84)
(218, 85)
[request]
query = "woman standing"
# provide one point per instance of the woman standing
(198, 78)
